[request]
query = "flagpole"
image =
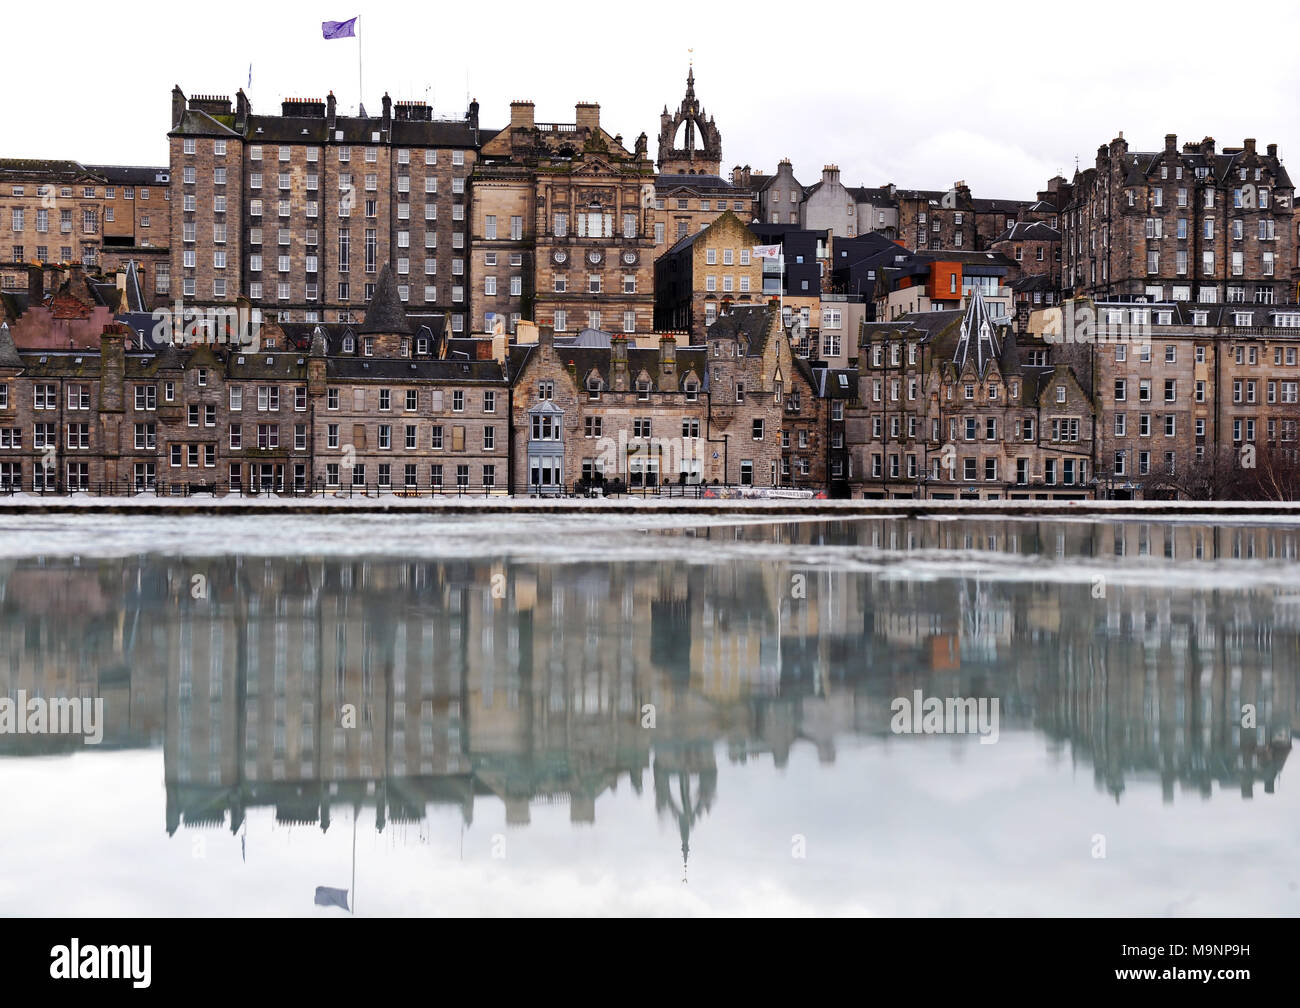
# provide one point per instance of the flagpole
(360, 89)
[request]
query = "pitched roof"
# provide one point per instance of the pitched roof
(705, 184)
(1029, 231)
(145, 175)
(978, 337)
(750, 323)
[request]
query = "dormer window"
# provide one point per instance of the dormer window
(643, 390)
(349, 344)
(593, 389)
(692, 391)
(422, 345)
(970, 391)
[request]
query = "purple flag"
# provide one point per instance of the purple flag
(339, 29)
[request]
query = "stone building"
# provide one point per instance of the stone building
(1196, 224)
(1181, 386)
(100, 218)
(706, 273)
(947, 409)
(361, 404)
(45, 209)
(570, 210)
(296, 212)
(779, 196)
(830, 206)
(388, 411)
(727, 410)
(611, 412)
(931, 219)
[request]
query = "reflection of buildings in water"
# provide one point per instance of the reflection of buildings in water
(77, 629)
(527, 683)
(1164, 693)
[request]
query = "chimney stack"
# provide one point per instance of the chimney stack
(587, 116)
(331, 110)
(112, 367)
(1171, 143)
(618, 376)
(35, 286)
(1250, 145)
(178, 106)
(1272, 150)
(667, 363)
(521, 115)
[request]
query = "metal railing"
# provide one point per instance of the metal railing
(318, 488)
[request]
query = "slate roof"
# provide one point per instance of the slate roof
(1030, 231)
(403, 369)
(587, 360)
(826, 381)
(139, 175)
(385, 313)
(752, 323)
(1033, 282)
(704, 184)
(977, 338)
(864, 194)
(55, 169)
(8, 352)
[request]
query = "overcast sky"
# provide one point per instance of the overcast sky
(1002, 96)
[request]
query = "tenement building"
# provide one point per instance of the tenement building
(704, 274)
(732, 409)
(296, 212)
(950, 408)
(1189, 224)
(369, 404)
(562, 226)
(94, 216)
(1192, 398)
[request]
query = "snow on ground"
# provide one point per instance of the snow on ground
(499, 503)
(618, 535)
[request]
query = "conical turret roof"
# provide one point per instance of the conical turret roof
(385, 313)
